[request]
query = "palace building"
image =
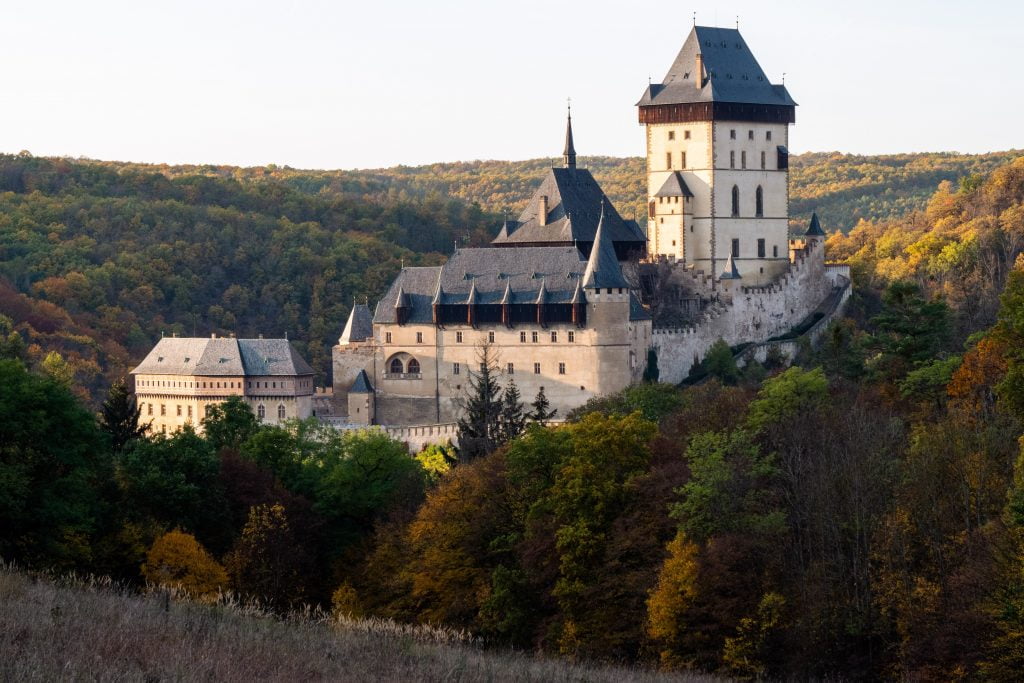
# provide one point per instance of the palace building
(182, 377)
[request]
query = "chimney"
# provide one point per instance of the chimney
(698, 72)
(213, 335)
(542, 210)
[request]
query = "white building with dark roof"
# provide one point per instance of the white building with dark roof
(182, 377)
(718, 160)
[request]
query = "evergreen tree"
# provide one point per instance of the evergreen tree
(651, 372)
(479, 431)
(120, 417)
(512, 418)
(542, 411)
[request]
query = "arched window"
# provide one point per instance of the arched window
(414, 367)
(280, 412)
(759, 202)
(735, 201)
(395, 367)
(261, 412)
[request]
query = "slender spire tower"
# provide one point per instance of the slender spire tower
(570, 151)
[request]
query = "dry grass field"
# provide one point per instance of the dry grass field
(54, 629)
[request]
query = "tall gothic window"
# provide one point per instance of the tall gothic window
(396, 366)
(280, 412)
(414, 366)
(735, 201)
(261, 412)
(759, 202)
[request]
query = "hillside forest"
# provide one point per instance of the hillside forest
(98, 259)
(859, 515)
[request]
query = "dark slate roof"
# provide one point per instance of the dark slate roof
(490, 272)
(603, 268)
(571, 192)
(730, 272)
(359, 326)
(636, 309)
(674, 186)
(361, 385)
(731, 73)
(814, 229)
(223, 356)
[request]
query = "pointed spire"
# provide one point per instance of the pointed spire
(438, 291)
(402, 299)
(730, 272)
(569, 154)
(814, 229)
(577, 294)
(603, 266)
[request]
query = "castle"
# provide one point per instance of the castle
(571, 296)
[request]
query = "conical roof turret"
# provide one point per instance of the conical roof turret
(569, 153)
(359, 326)
(603, 266)
(730, 272)
(814, 229)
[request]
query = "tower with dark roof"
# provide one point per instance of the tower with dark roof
(717, 159)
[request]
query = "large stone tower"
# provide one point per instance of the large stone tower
(717, 160)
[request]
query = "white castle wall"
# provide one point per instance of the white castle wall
(755, 314)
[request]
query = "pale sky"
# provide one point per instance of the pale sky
(317, 84)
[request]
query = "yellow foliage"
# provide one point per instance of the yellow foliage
(178, 560)
(345, 602)
(675, 591)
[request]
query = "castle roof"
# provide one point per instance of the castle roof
(730, 272)
(573, 209)
(730, 73)
(362, 384)
(814, 229)
(222, 357)
(603, 268)
(359, 326)
(674, 186)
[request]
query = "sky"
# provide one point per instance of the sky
(369, 84)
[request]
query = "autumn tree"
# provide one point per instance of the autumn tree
(266, 562)
(177, 560)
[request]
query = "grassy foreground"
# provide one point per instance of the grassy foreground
(87, 629)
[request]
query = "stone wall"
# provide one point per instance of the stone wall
(748, 314)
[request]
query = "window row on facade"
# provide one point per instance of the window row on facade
(188, 384)
(758, 202)
(732, 134)
(761, 250)
(186, 411)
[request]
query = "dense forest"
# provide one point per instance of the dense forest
(98, 259)
(858, 515)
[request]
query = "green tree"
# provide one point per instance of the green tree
(52, 463)
(174, 481)
(119, 417)
(511, 419)
(229, 424)
(437, 460)
(479, 422)
(651, 372)
(540, 410)
(910, 331)
(720, 363)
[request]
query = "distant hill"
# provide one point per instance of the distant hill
(97, 258)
